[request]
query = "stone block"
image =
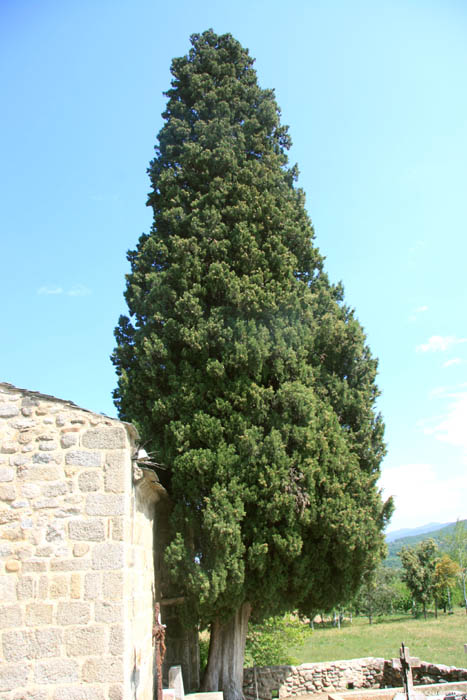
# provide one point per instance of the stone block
(69, 565)
(73, 429)
(67, 512)
(59, 587)
(78, 419)
(13, 676)
(116, 692)
(68, 440)
(91, 530)
(46, 503)
(78, 693)
(10, 616)
(6, 514)
(46, 446)
(57, 671)
(75, 586)
(108, 612)
(8, 410)
(55, 532)
(43, 587)
(26, 437)
(31, 694)
(116, 641)
(30, 490)
(12, 565)
(38, 614)
(40, 473)
(90, 481)
(5, 549)
(60, 488)
(25, 588)
(117, 528)
(48, 641)
(81, 458)
(34, 566)
(80, 549)
(40, 458)
(113, 585)
(7, 474)
(60, 419)
(105, 504)
(92, 586)
(85, 641)
(103, 670)
(108, 555)
(8, 447)
(12, 533)
(19, 645)
(73, 613)
(7, 492)
(115, 469)
(110, 438)
(19, 503)
(23, 423)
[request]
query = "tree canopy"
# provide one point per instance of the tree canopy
(457, 549)
(419, 570)
(240, 364)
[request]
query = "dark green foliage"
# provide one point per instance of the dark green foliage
(240, 364)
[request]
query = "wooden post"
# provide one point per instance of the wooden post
(405, 664)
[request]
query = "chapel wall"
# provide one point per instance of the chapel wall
(76, 563)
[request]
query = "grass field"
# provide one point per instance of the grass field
(437, 640)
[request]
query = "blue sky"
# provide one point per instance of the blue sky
(374, 94)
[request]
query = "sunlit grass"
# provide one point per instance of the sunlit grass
(437, 640)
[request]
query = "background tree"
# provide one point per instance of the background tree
(378, 594)
(243, 370)
(446, 576)
(456, 545)
(419, 565)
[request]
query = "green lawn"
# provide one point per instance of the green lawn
(437, 640)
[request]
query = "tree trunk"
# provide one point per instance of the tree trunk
(424, 610)
(224, 670)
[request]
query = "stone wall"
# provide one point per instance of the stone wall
(282, 681)
(76, 562)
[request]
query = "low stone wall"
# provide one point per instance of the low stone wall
(283, 681)
(426, 674)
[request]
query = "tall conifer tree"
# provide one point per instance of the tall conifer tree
(244, 370)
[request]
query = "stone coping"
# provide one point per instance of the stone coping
(66, 402)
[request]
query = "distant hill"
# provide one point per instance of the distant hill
(410, 532)
(395, 546)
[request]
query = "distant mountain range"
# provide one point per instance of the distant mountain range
(410, 532)
(410, 537)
